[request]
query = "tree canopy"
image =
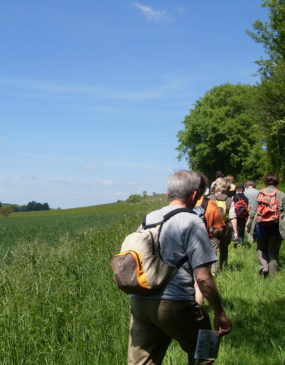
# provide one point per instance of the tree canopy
(270, 107)
(220, 133)
(240, 129)
(271, 34)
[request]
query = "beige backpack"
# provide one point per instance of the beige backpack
(138, 268)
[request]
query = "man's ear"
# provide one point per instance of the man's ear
(191, 199)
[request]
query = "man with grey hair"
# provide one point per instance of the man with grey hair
(172, 313)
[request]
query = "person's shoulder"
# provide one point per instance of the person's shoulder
(281, 194)
(187, 221)
(156, 215)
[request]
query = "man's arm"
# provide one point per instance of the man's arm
(251, 215)
(208, 288)
(234, 225)
(233, 219)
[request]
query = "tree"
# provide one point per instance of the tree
(6, 210)
(272, 35)
(270, 108)
(220, 134)
(34, 206)
(134, 198)
(270, 115)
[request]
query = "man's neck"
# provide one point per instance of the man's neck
(178, 203)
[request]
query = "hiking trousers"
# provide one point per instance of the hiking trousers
(268, 246)
(155, 322)
(225, 240)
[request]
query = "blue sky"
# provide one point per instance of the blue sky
(93, 93)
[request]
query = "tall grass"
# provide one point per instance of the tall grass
(59, 305)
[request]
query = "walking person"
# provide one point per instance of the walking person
(225, 203)
(172, 312)
(209, 211)
(267, 220)
(219, 175)
(250, 192)
(212, 218)
(241, 207)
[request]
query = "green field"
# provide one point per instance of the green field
(59, 304)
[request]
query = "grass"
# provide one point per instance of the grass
(59, 305)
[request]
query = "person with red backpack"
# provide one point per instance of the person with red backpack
(240, 202)
(266, 222)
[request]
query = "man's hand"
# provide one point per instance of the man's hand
(222, 324)
(235, 236)
(248, 224)
(208, 288)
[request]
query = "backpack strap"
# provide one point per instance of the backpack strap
(176, 211)
(166, 217)
(204, 204)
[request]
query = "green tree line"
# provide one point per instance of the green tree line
(6, 209)
(240, 129)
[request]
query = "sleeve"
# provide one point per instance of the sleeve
(199, 249)
(253, 208)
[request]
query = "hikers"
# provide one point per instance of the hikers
(240, 202)
(172, 311)
(250, 192)
(267, 221)
(224, 202)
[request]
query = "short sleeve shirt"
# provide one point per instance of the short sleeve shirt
(183, 236)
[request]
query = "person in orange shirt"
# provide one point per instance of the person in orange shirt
(214, 223)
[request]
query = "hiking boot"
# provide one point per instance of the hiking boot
(263, 273)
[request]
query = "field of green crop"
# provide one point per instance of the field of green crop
(59, 305)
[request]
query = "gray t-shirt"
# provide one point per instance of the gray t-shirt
(182, 236)
(251, 194)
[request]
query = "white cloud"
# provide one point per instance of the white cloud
(152, 14)
(105, 182)
(90, 167)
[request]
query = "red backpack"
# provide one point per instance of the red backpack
(241, 207)
(267, 208)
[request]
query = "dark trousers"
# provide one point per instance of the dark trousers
(225, 239)
(268, 246)
(241, 229)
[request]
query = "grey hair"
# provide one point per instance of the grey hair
(250, 183)
(182, 183)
